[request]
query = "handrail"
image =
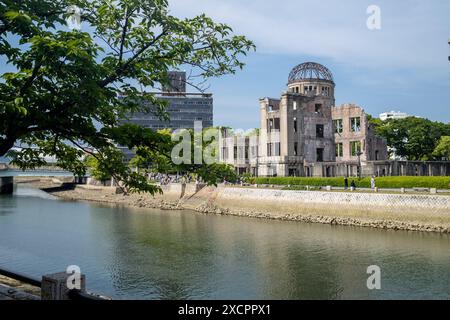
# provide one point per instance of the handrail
(20, 277)
(73, 294)
(78, 295)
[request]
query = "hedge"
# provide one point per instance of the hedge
(381, 182)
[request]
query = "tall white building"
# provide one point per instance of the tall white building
(393, 115)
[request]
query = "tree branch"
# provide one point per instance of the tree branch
(124, 33)
(119, 71)
(33, 76)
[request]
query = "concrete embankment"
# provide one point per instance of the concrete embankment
(387, 211)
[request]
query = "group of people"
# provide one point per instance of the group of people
(166, 179)
(163, 179)
(240, 181)
(373, 184)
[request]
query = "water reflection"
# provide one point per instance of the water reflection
(130, 253)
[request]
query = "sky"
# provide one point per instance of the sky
(403, 66)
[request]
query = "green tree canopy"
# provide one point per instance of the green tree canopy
(412, 138)
(66, 91)
(96, 169)
(443, 148)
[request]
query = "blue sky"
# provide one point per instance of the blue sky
(403, 66)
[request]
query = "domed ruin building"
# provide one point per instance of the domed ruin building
(304, 134)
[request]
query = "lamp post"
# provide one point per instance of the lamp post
(359, 154)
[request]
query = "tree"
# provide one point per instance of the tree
(68, 89)
(96, 169)
(154, 159)
(443, 148)
(412, 138)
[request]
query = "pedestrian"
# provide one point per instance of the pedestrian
(372, 182)
(183, 186)
(345, 183)
(353, 185)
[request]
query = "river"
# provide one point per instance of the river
(130, 253)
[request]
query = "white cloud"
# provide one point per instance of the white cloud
(407, 55)
(414, 33)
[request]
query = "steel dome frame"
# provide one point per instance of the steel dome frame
(310, 71)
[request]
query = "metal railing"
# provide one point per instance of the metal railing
(74, 294)
(78, 295)
(20, 277)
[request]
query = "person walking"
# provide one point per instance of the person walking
(197, 184)
(183, 186)
(353, 185)
(345, 183)
(373, 182)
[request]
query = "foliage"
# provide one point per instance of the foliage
(442, 149)
(412, 138)
(67, 91)
(217, 172)
(247, 177)
(158, 161)
(381, 182)
(96, 169)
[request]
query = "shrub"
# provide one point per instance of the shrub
(381, 182)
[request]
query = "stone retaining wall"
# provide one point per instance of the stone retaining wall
(428, 202)
(396, 211)
(387, 211)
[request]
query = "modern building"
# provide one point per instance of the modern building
(183, 109)
(176, 83)
(393, 115)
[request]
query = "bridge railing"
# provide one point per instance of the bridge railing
(55, 286)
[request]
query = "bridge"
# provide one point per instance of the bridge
(8, 172)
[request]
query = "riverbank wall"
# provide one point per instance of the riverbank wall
(387, 211)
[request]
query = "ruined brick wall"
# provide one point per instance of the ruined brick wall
(372, 147)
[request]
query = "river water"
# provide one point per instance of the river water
(151, 254)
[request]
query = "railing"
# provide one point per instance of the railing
(78, 295)
(20, 277)
(53, 287)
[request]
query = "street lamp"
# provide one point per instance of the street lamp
(359, 154)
